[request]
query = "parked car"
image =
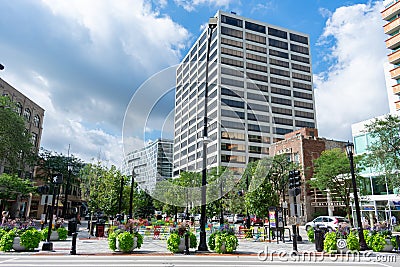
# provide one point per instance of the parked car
(215, 218)
(254, 220)
(229, 218)
(330, 222)
(238, 218)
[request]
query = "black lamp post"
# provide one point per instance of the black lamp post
(120, 195)
(350, 152)
(57, 179)
(131, 194)
(64, 211)
(212, 24)
(247, 209)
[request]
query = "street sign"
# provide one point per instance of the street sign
(57, 178)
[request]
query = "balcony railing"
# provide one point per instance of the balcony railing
(392, 26)
(395, 73)
(396, 89)
(394, 57)
(393, 41)
(391, 11)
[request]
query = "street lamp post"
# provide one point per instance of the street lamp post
(120, 195)
(56, 180)
(212, 24)
(350, 152)
(247, 209)
(131, 194)
(64, 211)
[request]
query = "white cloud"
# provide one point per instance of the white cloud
(353, 89)
(190, 5)
(81, 60)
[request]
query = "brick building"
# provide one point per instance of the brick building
(302, 147)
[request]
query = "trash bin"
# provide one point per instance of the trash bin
(72, 227)
(100, 229)
(319, 236)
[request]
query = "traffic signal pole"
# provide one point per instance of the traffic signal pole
(295, 190)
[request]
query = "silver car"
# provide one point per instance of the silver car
(330, 222)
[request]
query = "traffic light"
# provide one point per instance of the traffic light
(295, 181)
(291, 179)
(297, 178)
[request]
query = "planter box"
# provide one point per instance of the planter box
(388, 246)
(17, 244)
(54, 236)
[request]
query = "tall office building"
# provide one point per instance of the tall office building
(391, 14)
(259, 89)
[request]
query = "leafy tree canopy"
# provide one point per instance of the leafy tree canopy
(11, 186)
(332, 172)
(384, 150)
(16, 147)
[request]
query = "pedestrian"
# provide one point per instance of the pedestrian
(393, 221)
(5, 217)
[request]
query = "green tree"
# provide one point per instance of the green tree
(16, 148)
(384, 150)
(332, 172)
(11, 186)
(261, 194)
(101, 187)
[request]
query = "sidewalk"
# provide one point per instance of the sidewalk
(98, 246)
(91, 245)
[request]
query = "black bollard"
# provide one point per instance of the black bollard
(398, 243)
(294, 230)
(73, 248)
(186, 243)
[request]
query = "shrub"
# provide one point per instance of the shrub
(310, 234)
(112, 241)
(125, 241)
(352, 242)
(30, 239)
(62, 233)
(378, 242)
(6, 242)
(330, 242)
(230, 241)
(174, 240)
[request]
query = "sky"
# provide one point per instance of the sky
(83, 61)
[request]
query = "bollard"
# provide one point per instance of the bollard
(294, 230)
(398, 243)
(186, 243)
(319, 239)
(73, 248)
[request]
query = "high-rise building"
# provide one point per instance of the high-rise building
(151, 164)
(259, 89)
(391, 14)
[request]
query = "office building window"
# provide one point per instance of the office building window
(231, 32)
(256, 38)
(254, 27)
(231, 21)
(277, 33)
(298, 38)
(278, 44)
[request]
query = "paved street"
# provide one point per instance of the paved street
(93, 251)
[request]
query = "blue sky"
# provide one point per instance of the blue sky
(82, 60)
